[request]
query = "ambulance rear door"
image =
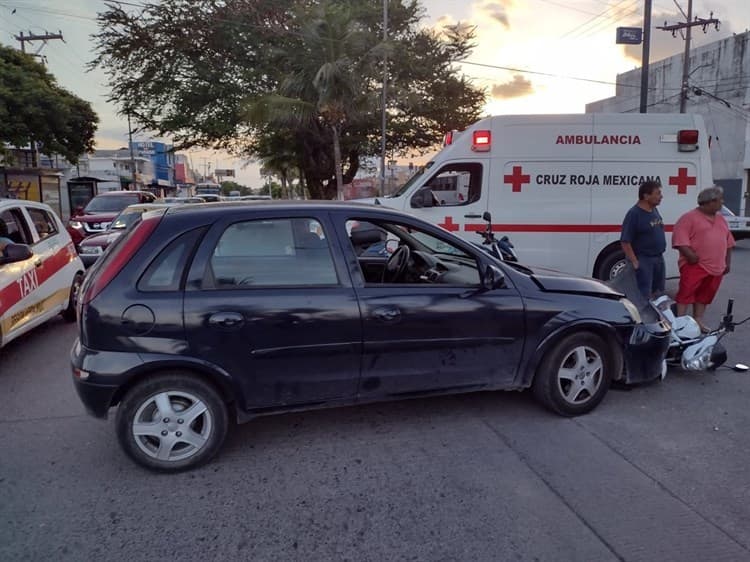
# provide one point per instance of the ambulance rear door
(629, 150)
(541, 188)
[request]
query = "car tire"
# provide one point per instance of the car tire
(575, 374)
(612, 264)
(172, 422)
(70, 314)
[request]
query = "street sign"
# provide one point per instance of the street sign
(629, 35)
(225, 173)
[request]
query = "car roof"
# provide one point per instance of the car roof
(121, 192)
(146, 206)
(281, 205)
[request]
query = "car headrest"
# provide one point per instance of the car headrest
(365, 237)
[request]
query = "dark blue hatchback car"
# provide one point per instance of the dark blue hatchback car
(202, 314)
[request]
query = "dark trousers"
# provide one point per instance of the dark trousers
(651, 275)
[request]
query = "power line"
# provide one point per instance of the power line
(618, 15)
(592, 23)
(552, 75)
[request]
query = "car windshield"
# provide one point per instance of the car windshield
(418, 174)
(110, 204)
(726, 212)
(125, 219)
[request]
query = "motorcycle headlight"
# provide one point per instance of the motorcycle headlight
(632, 310)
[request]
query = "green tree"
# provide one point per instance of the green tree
(228, 186)
(315, 70)
(34, 108)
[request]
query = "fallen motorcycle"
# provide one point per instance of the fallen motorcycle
(689, 348)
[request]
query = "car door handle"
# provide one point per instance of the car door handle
(226, 320)
(473, 216)
(387, 314)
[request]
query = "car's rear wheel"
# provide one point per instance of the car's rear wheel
(70, 313)
(574, 376)
(172, 422)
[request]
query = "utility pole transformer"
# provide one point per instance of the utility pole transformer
(687, 26)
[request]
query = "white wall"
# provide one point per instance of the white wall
(722, 69)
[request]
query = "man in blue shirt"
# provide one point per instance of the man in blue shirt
(643, 240)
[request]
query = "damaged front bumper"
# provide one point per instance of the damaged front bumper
(645, 352)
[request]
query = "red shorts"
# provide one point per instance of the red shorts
(697, 285)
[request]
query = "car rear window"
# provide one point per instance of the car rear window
(110, 203)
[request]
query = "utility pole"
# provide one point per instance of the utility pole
(385, 87)
(30, 38)
(688, 25)
(645, 55)
(132, 158)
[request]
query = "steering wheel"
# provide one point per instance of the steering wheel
(396, 264)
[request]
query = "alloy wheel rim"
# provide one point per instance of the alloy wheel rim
(580, 375)
(172, 426)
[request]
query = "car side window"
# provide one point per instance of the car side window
(13, 227)
(453, 185)
(166, 271)
(393, 253)
(43, 223)
(272, 252)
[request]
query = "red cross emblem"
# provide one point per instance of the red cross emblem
(449, 225)
(517, 178)
(682, 180)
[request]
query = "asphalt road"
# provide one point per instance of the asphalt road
(657, 473)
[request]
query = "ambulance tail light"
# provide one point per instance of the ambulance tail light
(481, 141)
(116, 257)
(687, 140)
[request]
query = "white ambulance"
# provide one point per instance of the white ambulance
(559, 185)
(40, 271)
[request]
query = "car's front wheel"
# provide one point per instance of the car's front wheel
(172, 422)
(575, 374)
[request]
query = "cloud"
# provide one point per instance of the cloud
(496, 10)
(516, 88)
(663, 45)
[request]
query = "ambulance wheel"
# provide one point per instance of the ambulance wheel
(612, 264)
(70, 313)
(574, 375)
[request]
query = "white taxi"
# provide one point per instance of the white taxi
(40, 271)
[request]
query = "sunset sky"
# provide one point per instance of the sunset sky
(554, 55)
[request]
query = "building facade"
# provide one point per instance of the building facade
(718, 89)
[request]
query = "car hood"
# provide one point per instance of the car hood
(557, 282)
(104, 239)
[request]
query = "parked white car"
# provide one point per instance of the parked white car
(40, 271)
(738, 226)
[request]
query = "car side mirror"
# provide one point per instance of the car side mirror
(15, 252)
(492, 278)
(487, 216)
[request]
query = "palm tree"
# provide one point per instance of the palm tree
(324, 83)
